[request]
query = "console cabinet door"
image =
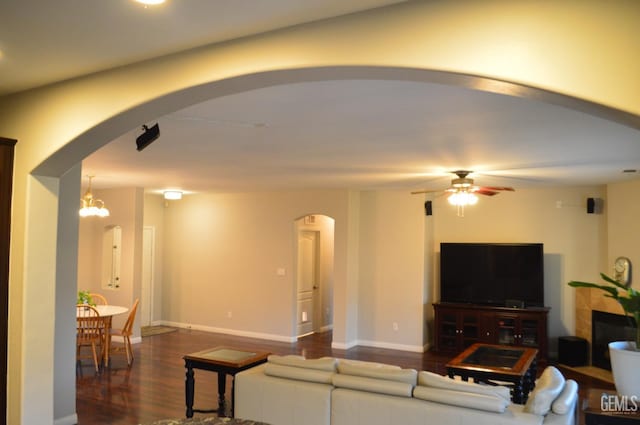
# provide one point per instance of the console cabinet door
(522, 329)
(458, 329)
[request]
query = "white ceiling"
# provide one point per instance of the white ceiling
(338, 134)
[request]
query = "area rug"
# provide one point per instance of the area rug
(156, 330)
(212, 420)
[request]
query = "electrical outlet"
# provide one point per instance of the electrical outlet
(395, 326)
(229, 314)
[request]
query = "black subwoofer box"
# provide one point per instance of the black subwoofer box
(573, 351)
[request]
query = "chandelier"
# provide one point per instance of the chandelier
(91, 206)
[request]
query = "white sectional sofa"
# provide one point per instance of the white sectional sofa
(291, 390)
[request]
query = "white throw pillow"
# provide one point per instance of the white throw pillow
(430, 379)
(567, 398)
(548, 387)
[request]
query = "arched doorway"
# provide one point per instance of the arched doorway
(314, 273)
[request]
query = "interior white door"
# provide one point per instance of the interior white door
(307, 280)
(146, 298)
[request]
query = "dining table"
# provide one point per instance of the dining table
(107, 312)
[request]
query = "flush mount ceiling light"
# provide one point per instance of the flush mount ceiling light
(172, 195)
(91, 206)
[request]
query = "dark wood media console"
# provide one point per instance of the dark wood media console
(458, 326)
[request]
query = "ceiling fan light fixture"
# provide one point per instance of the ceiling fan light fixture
(462, 198)
(462, 182)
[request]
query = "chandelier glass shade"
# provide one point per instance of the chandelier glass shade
(91, 207)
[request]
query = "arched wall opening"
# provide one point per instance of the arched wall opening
(65, 162)
(59, 125)
(314, 251)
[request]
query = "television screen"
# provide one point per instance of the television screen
(492, 273)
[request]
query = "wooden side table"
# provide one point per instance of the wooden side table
(224, 361)
(605, 407)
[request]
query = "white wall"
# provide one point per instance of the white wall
(126, 210)
(573, 239)
(221, 254)
(154, 206)
(623, 203)
(392, 270)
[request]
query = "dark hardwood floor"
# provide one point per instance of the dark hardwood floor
(153, 387)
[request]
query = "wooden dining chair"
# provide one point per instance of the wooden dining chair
(125, 333)
(99, 299)
(90, 333)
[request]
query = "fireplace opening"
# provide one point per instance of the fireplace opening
(606, 328)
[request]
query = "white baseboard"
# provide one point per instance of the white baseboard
(283, 338)
(235, 332)
(343, 345)
(134, 340)
(67, 420)
(392, 346)
(380, 344)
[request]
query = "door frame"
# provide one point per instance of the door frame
(6, 185)
(147, 301)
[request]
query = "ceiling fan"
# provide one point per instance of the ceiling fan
(463, 191)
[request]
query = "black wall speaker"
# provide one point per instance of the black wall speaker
(150, 134)
(594, 205)
(428, 208)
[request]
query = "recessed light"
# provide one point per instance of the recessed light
(150, 2)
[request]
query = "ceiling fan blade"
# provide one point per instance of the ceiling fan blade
(416, 192)
(485, 191)
(507, 188)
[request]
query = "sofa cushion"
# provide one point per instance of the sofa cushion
(363, 363)
(430, 379)
(325, 363)
(372, 385)
(567, 398)
(298, 373)
(490, 403)
(548, 387)
(408, 376)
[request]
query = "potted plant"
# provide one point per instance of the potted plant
(84, 297)
(625, 355)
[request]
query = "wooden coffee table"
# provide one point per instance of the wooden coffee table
(489, 363)
(224, 361)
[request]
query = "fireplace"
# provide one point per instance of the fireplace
(606, 328)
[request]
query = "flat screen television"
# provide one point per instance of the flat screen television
(497, 274)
